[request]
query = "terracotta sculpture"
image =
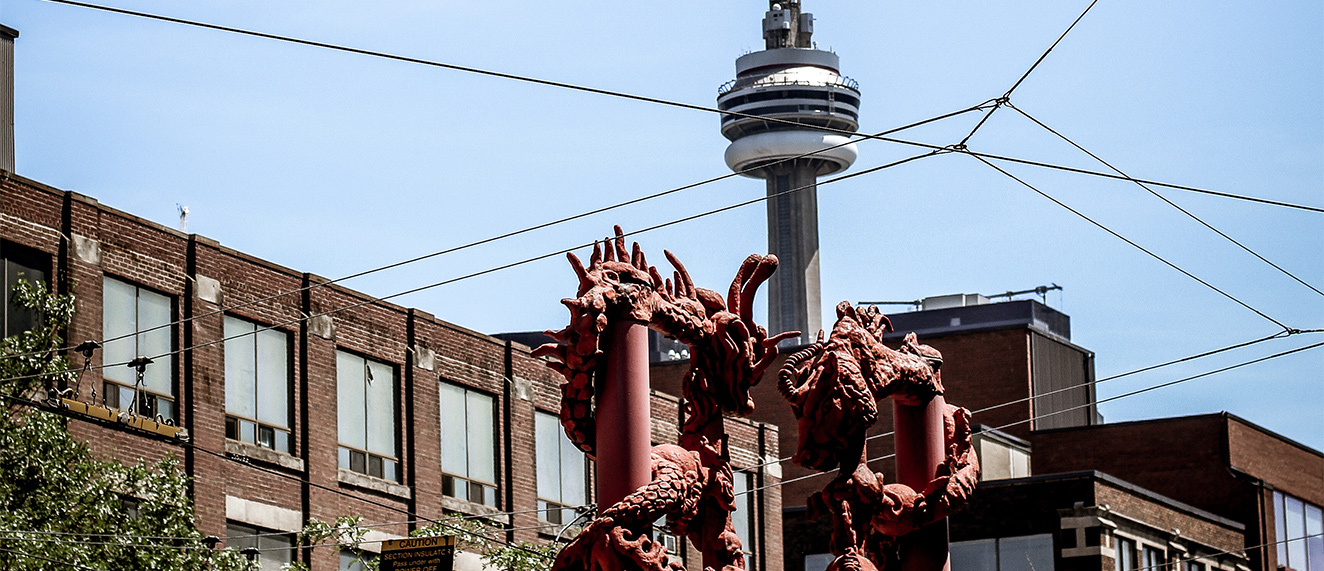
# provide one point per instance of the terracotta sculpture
(692, 483)
(835, 387)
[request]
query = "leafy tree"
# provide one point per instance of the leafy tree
(61, 505)
(347, 532)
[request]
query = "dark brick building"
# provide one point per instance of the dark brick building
(330, 388)
(1062, 490)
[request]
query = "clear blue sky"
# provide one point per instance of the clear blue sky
(332, 163)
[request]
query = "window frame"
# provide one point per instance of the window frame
(143, 400)
(256, 536)
(348, 453)
(548, 506)
(1289, 540)
(749, 538)
(15, 254)
(468, 484)
(235, 423)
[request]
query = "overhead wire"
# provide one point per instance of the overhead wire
(1165, 199)
(1256, 341)
(505, 235)
(1132, 243)
(371, 300)
(654, 100)
(1006, 97)
(1077, 407)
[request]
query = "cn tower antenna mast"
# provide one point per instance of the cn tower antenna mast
(802, 88)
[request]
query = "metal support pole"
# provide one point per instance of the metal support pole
(919, 451)
(624, 442)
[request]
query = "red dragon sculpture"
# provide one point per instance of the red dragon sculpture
(834, 388)
(692, 483)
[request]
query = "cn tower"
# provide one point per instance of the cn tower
(792, 101)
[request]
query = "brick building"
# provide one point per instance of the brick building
(334, 403)
(1061, 489)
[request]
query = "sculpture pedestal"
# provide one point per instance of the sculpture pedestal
(919, 452)
(624, 432)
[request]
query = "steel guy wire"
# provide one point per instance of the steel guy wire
(513, 233)
(1078, 407)
(1166, 200)
(1279, 335)
(1133, 244)
(370, 299)
(647, 99)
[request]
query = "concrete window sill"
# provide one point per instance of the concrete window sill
(265, 455)
(366, 482)
(469, 508)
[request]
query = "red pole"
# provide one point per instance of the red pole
(919, 451)
(624, 442)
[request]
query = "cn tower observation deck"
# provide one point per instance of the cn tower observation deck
(790, 108)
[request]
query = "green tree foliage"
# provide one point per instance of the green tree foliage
(60, 507)
(472, 535)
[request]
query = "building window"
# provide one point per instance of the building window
(1194, 566)
(355, 560)
(1151, 559)
(137, 322)
(1126, 555)
(1021, 553)
(274, 549)
(562, 471)
(743, 517)
(468, 445)
(19, 263)
(1298, 527)
(366, 416)
(257, 384)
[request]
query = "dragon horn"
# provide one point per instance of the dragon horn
(763, 271)
(733, 297)
(637, 258)
(584, 283)
(682, 275)
(622, 254)
(596, 258)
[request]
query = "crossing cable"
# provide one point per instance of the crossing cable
(1164, 199)
(1006, 97)
(1078, 407)
(1178, 561)
(659, 101)
(371, 300)
(1278, 335)
(1133, 244)
(513, 233)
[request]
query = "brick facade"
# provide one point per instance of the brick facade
(87, 241)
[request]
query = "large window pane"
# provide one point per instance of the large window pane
(119, 319)
(454, 441)
(240, 373)
(482, 450)
(154, 312)
(350, 398)
(1296, 529)
(1028, 553)
(381, 408)
(1280, 527)
(977, 555)
(574, 483)
(547, 442)
(1314, 541)
(20, 264)
(273, 380)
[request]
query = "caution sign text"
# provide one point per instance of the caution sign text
(418, 554)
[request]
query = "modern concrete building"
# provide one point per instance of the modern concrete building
(791, 114)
